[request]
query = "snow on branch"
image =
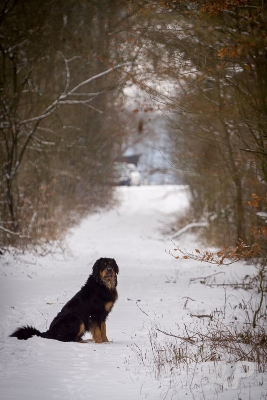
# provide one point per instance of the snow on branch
(188, 227)
(63, 98)
(100, 75)
(14, 233)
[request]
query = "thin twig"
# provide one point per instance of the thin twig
(142, 310)
(205, 277)
(178, 337)
(186, 297)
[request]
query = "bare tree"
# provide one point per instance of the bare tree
(59, 78)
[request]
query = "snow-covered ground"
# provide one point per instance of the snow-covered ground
(154, 290)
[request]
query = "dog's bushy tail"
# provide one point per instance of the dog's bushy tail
(26, 332)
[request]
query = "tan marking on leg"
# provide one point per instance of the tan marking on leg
(108, 306)
(103, 332)
(81, 331)
(96, 333)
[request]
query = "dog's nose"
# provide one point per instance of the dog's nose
(109, 271)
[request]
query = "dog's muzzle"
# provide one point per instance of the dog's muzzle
(109, 272)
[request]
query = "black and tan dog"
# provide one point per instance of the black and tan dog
(86, 311)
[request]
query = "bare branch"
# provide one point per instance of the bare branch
(190, 226)
(14, 233)
(187, 339)
(93, 108)
(96, 77)
(62, 99)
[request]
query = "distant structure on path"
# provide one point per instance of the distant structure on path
(133, 159)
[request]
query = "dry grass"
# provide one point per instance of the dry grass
(215, 342)
(207, 342)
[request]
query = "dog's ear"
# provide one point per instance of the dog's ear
(116, 267)
(96, 268)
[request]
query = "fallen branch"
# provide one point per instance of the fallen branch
(201, 316)
(188, 227)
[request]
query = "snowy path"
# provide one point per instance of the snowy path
(152, 287)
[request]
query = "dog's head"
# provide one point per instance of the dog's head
(105, 271)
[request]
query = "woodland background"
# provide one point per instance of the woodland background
(64, 116)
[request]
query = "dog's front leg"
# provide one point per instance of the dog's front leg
(96, 333)
(103, 332)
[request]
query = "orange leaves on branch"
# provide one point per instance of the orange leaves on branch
(253, 203)
(215, 7)
(225, 256)
(231, 52)
(255, 199)
(242, 250)
(206, 256)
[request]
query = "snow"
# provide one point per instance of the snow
(262, 215)
(154, 289)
